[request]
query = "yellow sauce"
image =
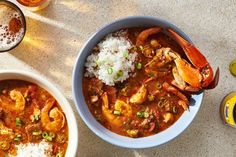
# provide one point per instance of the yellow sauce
(228, 109)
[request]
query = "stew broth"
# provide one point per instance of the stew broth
(149, 117)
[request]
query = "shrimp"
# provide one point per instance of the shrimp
(107, 113)
(6, 135)
(54, 113)
(124, 108)
(8, 104)
(140, 96)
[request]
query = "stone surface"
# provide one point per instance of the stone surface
(56, 34)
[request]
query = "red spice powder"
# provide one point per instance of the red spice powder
(15, 25)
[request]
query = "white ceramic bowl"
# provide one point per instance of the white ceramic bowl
(71, 120)
(173, 131)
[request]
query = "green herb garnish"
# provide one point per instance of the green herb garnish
(120, 73)
(17, 138)
(126, 54)
(140, 114)
(174, 109)
(139, 66)
(110, 71)
(47, 136)
(19, 122)
(36, 117)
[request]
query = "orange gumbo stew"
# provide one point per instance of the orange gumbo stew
(30, 118)
(143, 103)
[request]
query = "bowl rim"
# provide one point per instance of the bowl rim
(103, 135)
(55, 92)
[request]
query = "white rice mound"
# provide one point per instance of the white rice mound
(42, 149)
(113, 63)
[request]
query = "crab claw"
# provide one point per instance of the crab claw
(184, 100)
(198, 60)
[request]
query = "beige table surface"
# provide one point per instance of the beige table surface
(56, 34)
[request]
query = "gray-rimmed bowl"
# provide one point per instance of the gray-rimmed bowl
(173, 131)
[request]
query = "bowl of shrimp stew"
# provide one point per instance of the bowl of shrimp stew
(134, 85)
(35, 118)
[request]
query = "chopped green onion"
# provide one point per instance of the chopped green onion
(161, 103)
(47, 136)
(18, 122)
(158, 85)
(174, 109)
(36, 117)
(120, 73)
(59, 154)
(17, 138)
(139, 66)
(116, 112)
(6, 155)
(126, 54)
(36, 133)
(110, 70)
(140, 114)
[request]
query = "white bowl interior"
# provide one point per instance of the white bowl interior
(71, 120)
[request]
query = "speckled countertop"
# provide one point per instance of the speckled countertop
(56, 34)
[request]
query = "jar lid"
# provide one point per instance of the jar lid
(232, 67)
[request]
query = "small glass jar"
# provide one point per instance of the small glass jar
(228, 109)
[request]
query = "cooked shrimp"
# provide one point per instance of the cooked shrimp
(5, 130)
(140, 96)
(124, 108)
(54, 113)
(107, 113)
(6, 135)
(15, 96)
(142, 37)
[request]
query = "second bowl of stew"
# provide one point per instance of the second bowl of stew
(35, 118)
(127, 84)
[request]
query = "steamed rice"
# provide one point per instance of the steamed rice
(113, 63)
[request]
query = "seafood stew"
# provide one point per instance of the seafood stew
(138, 81)
(30, 120)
